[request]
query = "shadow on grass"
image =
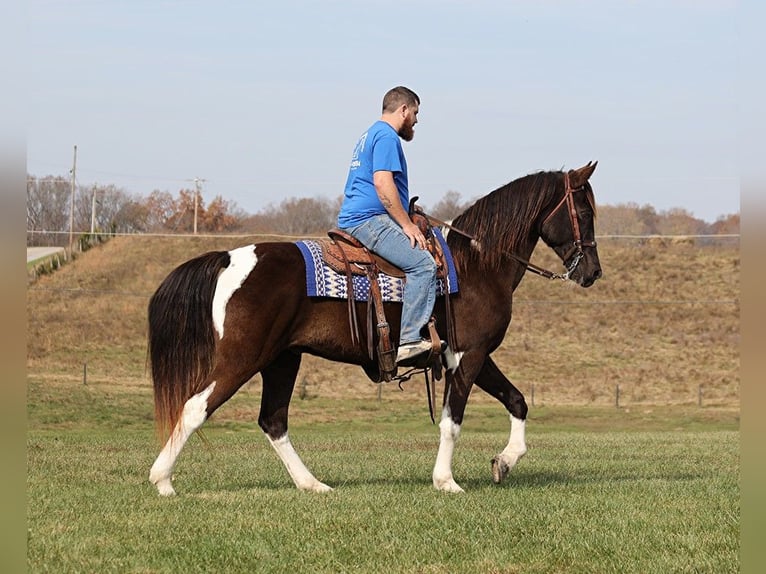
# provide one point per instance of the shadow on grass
(525, 480)
(535, 480)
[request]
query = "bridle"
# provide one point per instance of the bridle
(577, 244)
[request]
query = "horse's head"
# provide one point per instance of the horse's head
(567, 227)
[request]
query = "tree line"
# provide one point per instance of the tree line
(107, 209)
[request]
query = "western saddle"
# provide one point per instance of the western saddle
(346, 255)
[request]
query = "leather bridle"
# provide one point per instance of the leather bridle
(578, 242)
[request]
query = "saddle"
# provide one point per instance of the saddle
(346, 255)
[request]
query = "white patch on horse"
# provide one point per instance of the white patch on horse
(192, 417)
(517, 446)
(242, 262)
(449, 432)
(504, 462)
(453, 359)
(301, 475)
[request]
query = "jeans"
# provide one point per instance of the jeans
(383, 236)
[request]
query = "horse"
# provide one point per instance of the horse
(221, 317)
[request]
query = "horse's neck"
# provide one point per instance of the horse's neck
(507, 276)
(518, 269)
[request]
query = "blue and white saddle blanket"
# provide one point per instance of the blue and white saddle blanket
(323, 281)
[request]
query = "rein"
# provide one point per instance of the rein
(575, 250)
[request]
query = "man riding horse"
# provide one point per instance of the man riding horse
(374, 211)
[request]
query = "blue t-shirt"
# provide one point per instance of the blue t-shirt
(379, 149)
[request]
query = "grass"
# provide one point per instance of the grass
(579, 502)
(601, 490)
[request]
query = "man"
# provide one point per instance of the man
(374, 210)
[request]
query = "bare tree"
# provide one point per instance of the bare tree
(295, 216)
(160, 210)
(48, 206)
(678, 221)
(448, 207)
(726, 224)
(108, 209)
(621, 219)
(164, 213)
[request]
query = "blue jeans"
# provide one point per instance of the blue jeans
(383, 236)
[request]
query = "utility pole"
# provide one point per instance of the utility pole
(71, 209)
(197, 191)
(93, 211)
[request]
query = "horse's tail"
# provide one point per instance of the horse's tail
(181, 335)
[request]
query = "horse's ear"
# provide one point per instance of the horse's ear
(578, 177)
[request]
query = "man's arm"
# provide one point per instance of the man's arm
(389, 197)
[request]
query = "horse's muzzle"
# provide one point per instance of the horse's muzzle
(591, 278)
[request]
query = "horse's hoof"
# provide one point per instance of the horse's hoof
(316, 487)
(164, 488)
(447, 486)
(500, 470)
(502, 465)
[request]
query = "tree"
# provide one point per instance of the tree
(622, 219)
(220, 216)
(678, 221)
(167, 214)
(48, 210)
(448, 207)
(109, 209)
(295, 216)
(726, 224)
(160, 210)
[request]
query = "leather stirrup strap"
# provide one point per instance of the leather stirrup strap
(386, 360)
(436, 349)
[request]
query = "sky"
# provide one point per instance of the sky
(264, 101)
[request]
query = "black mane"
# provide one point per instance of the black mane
(502, 220)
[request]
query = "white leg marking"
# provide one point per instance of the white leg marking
(517, 446)
(242, 262)
(504, 462)
(453, 359)
(194, 414)
(301, 475)
(448, 435)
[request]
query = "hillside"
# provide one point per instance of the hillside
(663, 321)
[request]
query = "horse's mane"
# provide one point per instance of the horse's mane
(502, 220)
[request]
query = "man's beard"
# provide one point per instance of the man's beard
(407, 132)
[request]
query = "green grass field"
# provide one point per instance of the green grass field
(601, 490)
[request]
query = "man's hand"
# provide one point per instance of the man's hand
(414, 234)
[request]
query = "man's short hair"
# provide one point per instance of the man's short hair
(397, 96)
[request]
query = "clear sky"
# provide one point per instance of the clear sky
(265, 100)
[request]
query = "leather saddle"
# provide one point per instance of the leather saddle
(346, 255)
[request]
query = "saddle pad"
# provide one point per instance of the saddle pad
(322, 281)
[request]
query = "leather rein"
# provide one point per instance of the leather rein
(577, 244)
